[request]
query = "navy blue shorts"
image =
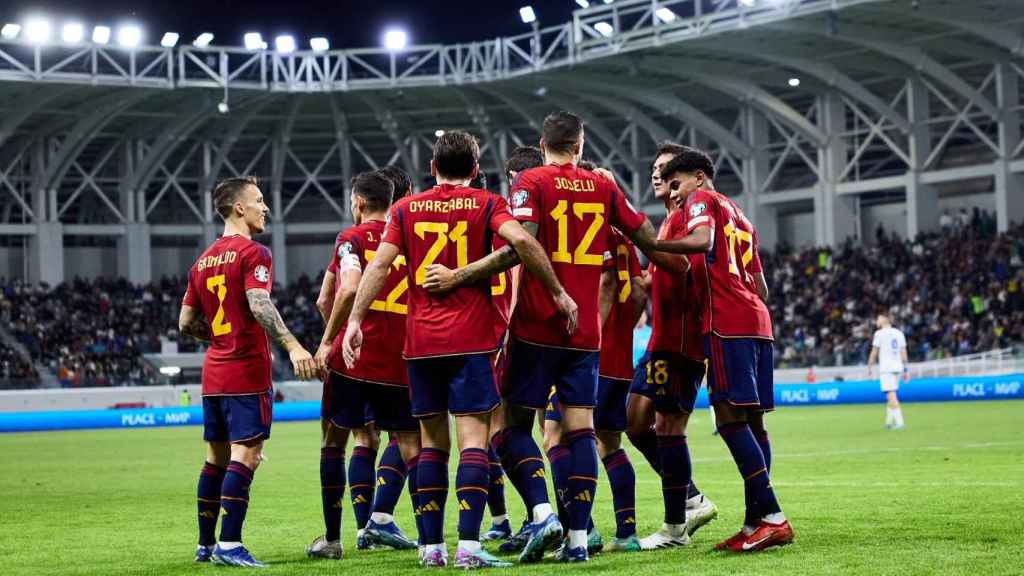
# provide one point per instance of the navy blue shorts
(345, 403)
(351, 403)
(533, 369)
(610, 410)
(670, 380)
(237, 418)
(458, 385)
(740, 371)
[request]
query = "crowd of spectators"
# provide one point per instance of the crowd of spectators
(954, 292)
(15, 371)
(93, 332)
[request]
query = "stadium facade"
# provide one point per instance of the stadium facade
(826, 118)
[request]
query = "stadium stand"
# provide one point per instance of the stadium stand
(955, 292)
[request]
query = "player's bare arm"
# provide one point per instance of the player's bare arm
(696, 242)
(762, 286)
(872, 358)
(369, 285)
(266, 314)
(638, 296)
(439, 279)
(191, 323)
(339, 308)
(646, 239)
(607, 294)
(326, 297)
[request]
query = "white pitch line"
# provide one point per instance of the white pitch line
(969, 446)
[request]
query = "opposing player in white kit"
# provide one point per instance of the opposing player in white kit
(889, 349)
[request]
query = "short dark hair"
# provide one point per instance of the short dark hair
(667, 147)
(456, 153)
(689, 160)
(226, 192)
(587, 165)
(479, 181)
(399, 179)
(561, 131)
(524, 158)
(375, 188)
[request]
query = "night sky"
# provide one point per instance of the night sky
(346, 23)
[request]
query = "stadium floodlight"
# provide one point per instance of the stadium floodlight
(10, 30)
(583, 3)
(608, 1)
(527, 14)
(748, 3)
(170, 39)
(254, 41)
(285, 44)
(395, 39)
(101, 34)
(604, 28)
(37, 30)
(72, 33)
(319, 44)
(170, 370)
(438, 133)
(665, 15)
(794, 82)
(203, 40)
(129, 36)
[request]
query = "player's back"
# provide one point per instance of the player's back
(383, 326)
(616, 359)
(238, 360)
(890, 343)
(734, 308)
(572, 208)
(452, 226)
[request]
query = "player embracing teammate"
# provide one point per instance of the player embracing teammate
(737, 329)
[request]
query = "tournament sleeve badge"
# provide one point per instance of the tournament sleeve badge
(261, 273)
(697, 209)
(518, 201)
(344, 249)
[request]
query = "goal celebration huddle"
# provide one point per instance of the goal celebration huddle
(455, 309)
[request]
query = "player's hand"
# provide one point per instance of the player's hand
(906, 377)
(439, 279)
(303, 363)
(351, 344)
(605, 172)
(322, 354)
(567, 306)
(869, 371)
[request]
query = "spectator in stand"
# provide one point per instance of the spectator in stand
(959, 291)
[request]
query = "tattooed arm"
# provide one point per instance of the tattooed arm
(266, 314)
(440, 279)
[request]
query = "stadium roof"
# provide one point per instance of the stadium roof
(693, 78)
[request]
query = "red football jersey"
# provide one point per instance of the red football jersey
(617, 332)
(453, 226)
(668, 294)
(733, 306)
(238, 359)
(384, 325)
(693, 317)
(501, 295)
(572, 209)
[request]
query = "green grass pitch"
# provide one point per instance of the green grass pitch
(945, 496)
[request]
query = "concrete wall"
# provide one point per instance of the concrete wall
(797, 229)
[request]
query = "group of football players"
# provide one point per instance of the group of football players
(500, 314)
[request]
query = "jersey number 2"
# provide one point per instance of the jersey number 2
(216, 285)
